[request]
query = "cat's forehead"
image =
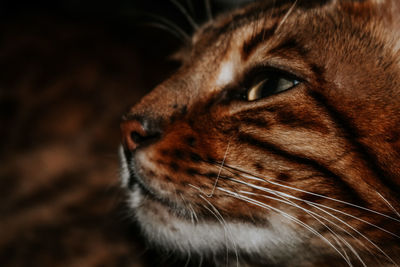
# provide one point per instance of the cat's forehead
(255, 15)
(236, 41)
(299, 15)
(246, 29)
(288, 27)
(259, 10)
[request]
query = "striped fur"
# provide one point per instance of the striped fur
(308, 176)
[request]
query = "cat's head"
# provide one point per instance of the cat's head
(278, 138)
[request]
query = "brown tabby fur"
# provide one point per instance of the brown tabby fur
(336, 134)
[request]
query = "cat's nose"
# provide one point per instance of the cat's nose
(133, 134)
(138, 132)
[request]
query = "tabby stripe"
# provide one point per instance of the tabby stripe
(290, 44)
(258, 122)
(352, 135)
(262, 36)
(287, 117)
(273, 149)
(251, 15)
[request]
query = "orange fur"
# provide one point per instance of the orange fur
(330, 145)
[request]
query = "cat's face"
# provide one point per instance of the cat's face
(277, 138)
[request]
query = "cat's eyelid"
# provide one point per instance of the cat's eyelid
(294, 67)
(250, 75)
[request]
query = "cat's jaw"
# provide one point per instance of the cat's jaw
(189, 234)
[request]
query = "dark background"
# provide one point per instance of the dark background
(68, 71)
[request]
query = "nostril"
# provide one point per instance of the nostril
(133, 133)
(136, 137)
(138, 132)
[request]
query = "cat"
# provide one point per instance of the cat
(276, 143)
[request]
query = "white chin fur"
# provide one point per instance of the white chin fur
(124, 170)
(170, 232)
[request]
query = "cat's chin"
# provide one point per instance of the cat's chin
(173, 229)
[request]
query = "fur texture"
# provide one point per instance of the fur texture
(300, 177)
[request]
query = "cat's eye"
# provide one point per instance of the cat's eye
(270, 85)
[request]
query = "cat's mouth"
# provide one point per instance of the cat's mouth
(137, 185)
(142, 194)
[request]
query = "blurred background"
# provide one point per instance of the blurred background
(68, 71)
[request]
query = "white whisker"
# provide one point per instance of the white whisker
(188, 259)
(220, 169)
(208, 9)
(318, 204)
(169, 26)
(287, 15)
(201, 261)
(186, 14)
(227, 228)
(189, 207)
(327, 207)
(251, 176)
(388, 203)
(352, 228)
(314, 215)
(286, 215)
(223, 225)
(177, 33)
(194, 213)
